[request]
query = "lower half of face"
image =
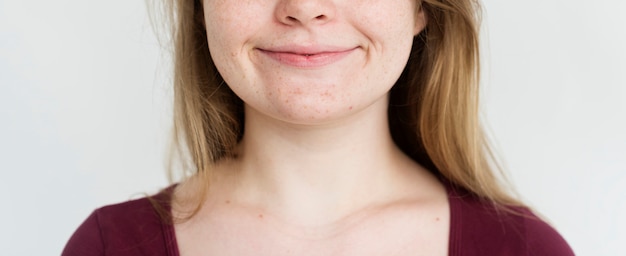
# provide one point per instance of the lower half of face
(310, 73)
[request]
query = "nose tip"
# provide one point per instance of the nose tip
(305, 12)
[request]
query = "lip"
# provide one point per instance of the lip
(307, 57)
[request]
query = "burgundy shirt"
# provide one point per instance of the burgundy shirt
(135, 228)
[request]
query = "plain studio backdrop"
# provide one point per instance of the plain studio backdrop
(85, 114)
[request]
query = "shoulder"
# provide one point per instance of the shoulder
(479, 227)
(136, 227)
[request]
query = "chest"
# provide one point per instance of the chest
(390, 233)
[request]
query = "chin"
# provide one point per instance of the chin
(312, 115)
(329, 114)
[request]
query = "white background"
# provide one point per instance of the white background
(85, 114)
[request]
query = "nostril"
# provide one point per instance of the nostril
(303, 19)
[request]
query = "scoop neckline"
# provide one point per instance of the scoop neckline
(171, 244)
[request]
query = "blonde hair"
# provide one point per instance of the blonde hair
(433, 111)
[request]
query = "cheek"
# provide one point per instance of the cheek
(222, 18)
(386, 15)
(388, 25)
(391, 39)
(230, 26)
(227, 48)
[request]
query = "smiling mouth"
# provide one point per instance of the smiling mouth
(306, 59)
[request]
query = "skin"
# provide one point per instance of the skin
(382, 33)
(317, 172)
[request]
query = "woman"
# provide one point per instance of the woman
(325, 127)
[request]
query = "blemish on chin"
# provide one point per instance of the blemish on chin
(350, 108)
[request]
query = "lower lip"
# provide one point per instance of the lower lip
(309, 60)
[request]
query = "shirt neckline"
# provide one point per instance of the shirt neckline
(454, 235)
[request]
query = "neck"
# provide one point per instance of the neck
(317, 173)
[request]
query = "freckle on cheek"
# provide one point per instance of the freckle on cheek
(326, 94)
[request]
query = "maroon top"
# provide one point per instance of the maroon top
(135, 228)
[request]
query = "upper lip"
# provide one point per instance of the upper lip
(307, 50)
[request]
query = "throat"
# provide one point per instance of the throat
(321, 190)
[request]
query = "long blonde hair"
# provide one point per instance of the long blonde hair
(433, 110)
